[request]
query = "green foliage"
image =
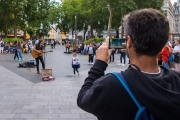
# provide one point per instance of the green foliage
(26, 15)
(36, 16)
(94, 40)
(12, 40)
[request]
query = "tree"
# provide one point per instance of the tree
(5, 16)
(36, 18)
(17, 6)
(86, 15)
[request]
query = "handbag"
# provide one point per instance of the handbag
(177, 57)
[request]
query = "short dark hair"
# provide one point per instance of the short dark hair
(148, 29)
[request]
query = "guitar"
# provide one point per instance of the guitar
(36, 54)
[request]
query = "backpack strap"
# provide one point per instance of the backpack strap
(124, 83)
(140, 107)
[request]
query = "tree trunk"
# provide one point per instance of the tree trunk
(122, 31)
(24, 36)
(92, 34)
(5, 25)
(84, 37)
(117, 33)
(15, 24)
(72, 39)
(6, 31)
(110, 20)
(1, 35)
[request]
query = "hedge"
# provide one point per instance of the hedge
(94, 40)
(12, 40)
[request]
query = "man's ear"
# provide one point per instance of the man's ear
(129, 42)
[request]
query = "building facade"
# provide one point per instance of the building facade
(177, 19)
(169, 12)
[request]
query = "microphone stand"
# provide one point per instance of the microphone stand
(44, 55)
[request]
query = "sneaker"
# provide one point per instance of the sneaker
(123, 64)
(18, 60)
(120, 64)
(38, 72)
(78, 73)
(88, 63)
(22, 58)
(92, 63)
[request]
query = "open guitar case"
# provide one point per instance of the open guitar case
(47, 75)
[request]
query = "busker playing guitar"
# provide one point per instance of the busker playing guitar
(39, 49)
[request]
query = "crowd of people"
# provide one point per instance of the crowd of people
(169, 56)
(90, 51)
(17, 48)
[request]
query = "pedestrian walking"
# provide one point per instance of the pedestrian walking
(19, 51)
(111, 59)
(52, 43)
(91, 52)
(122, 57)
(15, 51)
(176, 52)
(1, 46)
(75, 63)
(55, 44)
(37, 41)
(165, 53)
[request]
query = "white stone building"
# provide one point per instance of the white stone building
(169, 12)
(177, 19)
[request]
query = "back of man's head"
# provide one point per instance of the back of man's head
(148, 30)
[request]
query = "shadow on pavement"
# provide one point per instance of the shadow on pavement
(27, 73)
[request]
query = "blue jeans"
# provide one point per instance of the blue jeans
(91, 58)
(165, 64)
(123, 56)
(19, 53)
(84, 51)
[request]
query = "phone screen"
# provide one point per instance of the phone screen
(116, 43)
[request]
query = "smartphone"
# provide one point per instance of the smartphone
(116, 43)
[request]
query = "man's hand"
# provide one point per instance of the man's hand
(103, 53)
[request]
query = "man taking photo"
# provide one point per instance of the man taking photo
(155, 87)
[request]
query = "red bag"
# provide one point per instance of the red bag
(48, 78)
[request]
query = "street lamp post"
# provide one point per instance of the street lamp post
(75, 28)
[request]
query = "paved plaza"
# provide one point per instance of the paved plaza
(24, 96)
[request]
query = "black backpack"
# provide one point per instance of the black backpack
(2, 44)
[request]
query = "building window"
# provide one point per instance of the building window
(176, 12)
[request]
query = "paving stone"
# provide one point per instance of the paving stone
(18, 111)
(7, 115)
(29, 116)
(17, 116)
(7, 111)
(30, 107)
(48, 116)
(36, 119)
(24, 96)
(70, 116)
(41, 111)
(16, 119)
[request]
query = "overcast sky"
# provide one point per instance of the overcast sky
(172, 1)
